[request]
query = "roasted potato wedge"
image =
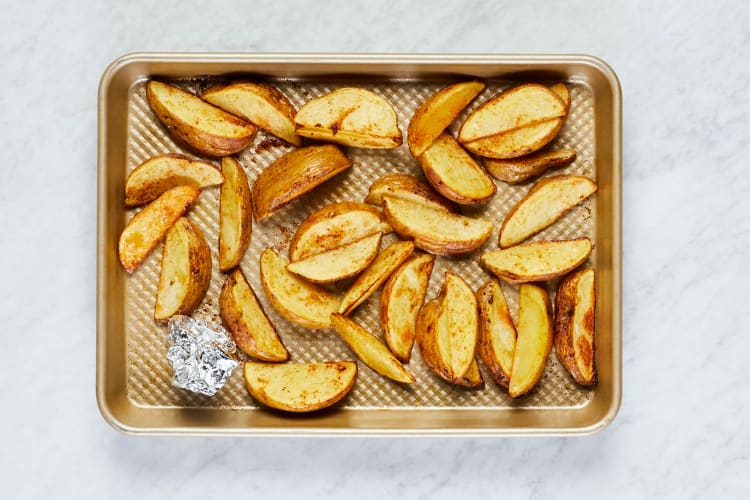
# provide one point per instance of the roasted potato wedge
(537, 261)
(299, 387)
(370, 350)
(149, 226)
(406, 187)
(352, 117)
(438, 111)
(293, 175)
(336, 225)
(497, 333)
(294, 298)
(163, 172)
(563, 93)
(246, 320)
(575, 319)
(197, 124)
(433, 229)
(342, 262)
(534, 341)
(402, 297)
(235, 214)
(457, 325)
(547, 201)
(518, 170)
(263, 105)
(375, 275)
(185, 271)
(517, 142)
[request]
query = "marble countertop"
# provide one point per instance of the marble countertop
(682, 430)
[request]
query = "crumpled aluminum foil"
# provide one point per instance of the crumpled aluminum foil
(200, 356)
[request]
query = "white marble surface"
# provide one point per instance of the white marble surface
(682, 431)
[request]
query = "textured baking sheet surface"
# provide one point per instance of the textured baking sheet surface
(148, 373)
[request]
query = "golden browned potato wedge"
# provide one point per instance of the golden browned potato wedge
(149, 226)
(293, 175)
(336, 225)
(342, 262)
(438, 111)
(298, 387)
(202, 127)
(352, 117)
(517, 142)
(263, 105)
(406, 187)
(534, 341)
(185, 271)
(457, 325)
(433, 229)
(518, 170)
(370, 349)
(246, 320)
(575, 311)
(163, 172)
(235, 214)
(402, 297)
(547, 201)
(497, 334)
(537, 261)
(563, 93)
(294, 298)
(375, 275)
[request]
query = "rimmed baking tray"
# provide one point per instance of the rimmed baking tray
(133, 378)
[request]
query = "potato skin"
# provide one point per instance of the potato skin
(485, 349)
(517, 142)
(565, 305)
(395, 183)
(520, 170)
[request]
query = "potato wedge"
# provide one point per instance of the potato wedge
(454, 173)
(438, 111)
(402, 297)
(537, 261)
(149, 226)
(497, 333)
(342, 262)
(375, 275)
(336, 225)
(245, 319)
(299, 387)
(435, 230)
(575, 311)
(163, 172)
(517, 142)
(563, 93)
(185, 271)
(370, 349)
(518, 170)
(197, 124)
(294, 298)
(406, 187)
(352, 117)
(262, 105)
(547, 201)
(235, 214)
(293, 175)
(534, 341)
(457, 325)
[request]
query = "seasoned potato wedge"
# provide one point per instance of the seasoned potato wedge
(406, 187)
(263, 105)
(197, 124)
(185, 271)
(352, 117)
(235, 214)
(537, 261)
(454, 173)
(294, 298)
(402, 297)
(517, 142)
(293, 175)
(497, 334)
(547, 201)
(575, 311)
(149, 226)
(246, 320)
(457, 325)
(163, 172)
(534, 341)
(299, 387)
(435, 230)
(438, 111)
(370, 349)
(336, 225)
(342, 262)
(518, 170)
(375, 275)
(563, 93)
